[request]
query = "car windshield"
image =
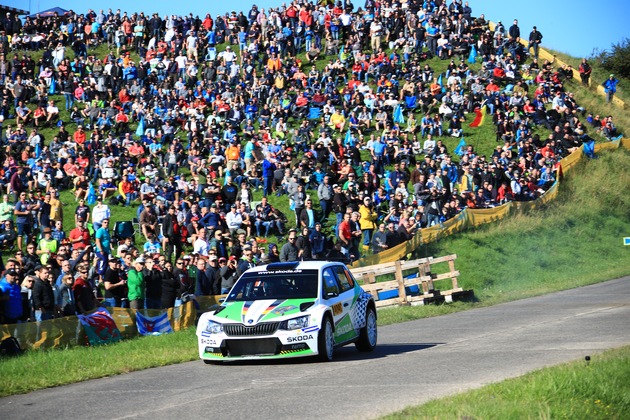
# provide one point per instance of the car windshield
(285, 284)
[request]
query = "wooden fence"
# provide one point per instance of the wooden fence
(416, 288)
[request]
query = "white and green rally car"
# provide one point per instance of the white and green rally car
(286, 310)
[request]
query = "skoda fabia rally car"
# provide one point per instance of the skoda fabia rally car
(286, 310)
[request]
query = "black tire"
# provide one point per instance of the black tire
(326, 341)
(368, 336)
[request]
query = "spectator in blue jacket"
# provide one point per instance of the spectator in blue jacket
(610, 87)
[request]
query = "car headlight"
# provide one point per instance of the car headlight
(214, 327)
(296, 323)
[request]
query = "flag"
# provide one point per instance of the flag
(140, 129)
(473, 55)
(100, 327)
(156, 325)
(461, 148)
(441, 83)
(91, 198)
(480, 115)
(398, 115)
(589, 148)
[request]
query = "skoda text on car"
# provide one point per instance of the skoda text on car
(286, 310)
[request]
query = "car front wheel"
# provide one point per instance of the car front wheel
(326, 341)
(369, 334)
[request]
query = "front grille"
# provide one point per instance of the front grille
(253, 347)
(240, 330)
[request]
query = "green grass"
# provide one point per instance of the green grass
(576, 390)
(48, 368)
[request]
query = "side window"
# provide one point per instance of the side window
(345, 280)
(330, 282)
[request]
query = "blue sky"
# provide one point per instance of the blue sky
(575, 27)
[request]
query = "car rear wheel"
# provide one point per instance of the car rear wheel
(326, 341)
(368, 334)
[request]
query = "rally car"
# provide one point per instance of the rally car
(283, 310)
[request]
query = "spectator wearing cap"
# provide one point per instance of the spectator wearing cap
(115, 285)
(153, 283)
(11, 295)
(136, 285)
(234, 219)
(610, 87)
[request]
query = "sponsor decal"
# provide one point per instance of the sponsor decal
(246, 306)
(281, 311)
(299, 338)
(279, 272)
(206, 333)
(208, 342)
(337, 309)
(310, 329)
(343, 329)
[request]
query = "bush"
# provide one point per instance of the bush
(617, 60)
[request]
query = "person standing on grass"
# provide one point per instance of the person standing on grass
(103, 241)
(585, 72)
(610, 87)
(135, 283)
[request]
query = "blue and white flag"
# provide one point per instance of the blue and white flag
(140, 129)
(156, 325)
(473, 55)
(398, 115)
(461, 148)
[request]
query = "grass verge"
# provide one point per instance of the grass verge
(576, 390)
(47, 368)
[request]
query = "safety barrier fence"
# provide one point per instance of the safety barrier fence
(68, 331)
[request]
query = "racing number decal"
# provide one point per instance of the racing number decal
(337, 309)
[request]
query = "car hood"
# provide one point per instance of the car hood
(252, 312)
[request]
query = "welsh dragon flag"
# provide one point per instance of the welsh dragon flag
(100, 327)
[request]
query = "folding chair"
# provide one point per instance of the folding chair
(411, 102)
(314, 113)
(135, 222)
(123, 230)
(211, 55)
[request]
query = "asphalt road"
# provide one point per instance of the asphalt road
(413, 363)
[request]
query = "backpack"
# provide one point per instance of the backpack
(10, 347)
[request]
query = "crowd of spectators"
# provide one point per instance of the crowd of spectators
(231, 104)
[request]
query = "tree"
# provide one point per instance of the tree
(617, 60)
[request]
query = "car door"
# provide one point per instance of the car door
(341, 304)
